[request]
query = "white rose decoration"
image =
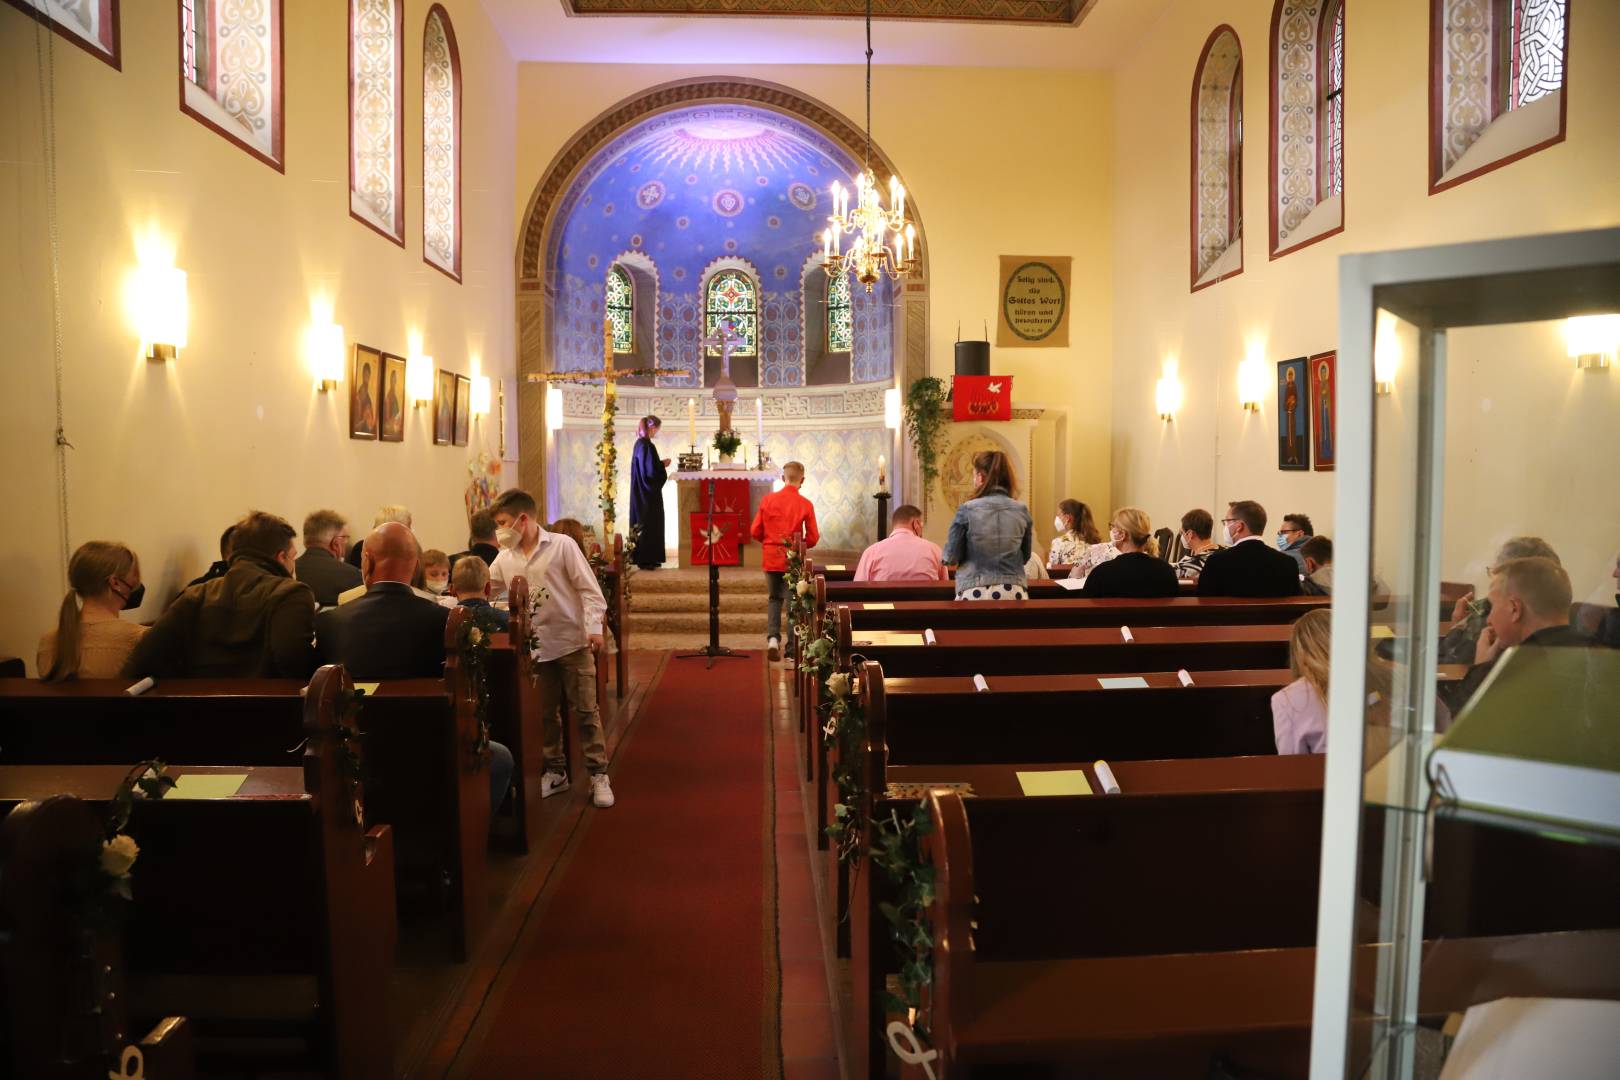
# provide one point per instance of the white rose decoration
(118, 855)
(475, 635)
(804, 588)
(838, 685)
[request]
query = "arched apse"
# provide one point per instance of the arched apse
(640, 156)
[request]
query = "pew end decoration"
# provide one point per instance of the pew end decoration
(525, 605)
(466, 670)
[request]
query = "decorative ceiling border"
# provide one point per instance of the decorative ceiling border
(1021, 12)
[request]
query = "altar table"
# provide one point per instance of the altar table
(693, 494)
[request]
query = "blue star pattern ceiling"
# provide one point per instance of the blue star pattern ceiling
(693, 188)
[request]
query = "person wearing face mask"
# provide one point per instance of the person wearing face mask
(903, 555)
(90, 640)
(568, 631)
(1076, 531)
(1296, 529)
(1197, 526)
(1094, 555)
(1530, 601)
(1137, 571)
(1247, 567)
(258, 621)
(321, 566)
(436, 576)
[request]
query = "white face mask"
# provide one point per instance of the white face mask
(1057, 523)
(436, 586)
(1226, 534)
(1116, 535)
(507, 538)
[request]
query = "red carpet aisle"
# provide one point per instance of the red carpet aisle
(655, 956)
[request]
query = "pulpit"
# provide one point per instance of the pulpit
(962, 439)
(737, 491)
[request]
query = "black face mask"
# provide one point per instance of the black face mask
(136, 595)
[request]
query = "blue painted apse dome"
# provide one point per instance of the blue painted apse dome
(689, 193)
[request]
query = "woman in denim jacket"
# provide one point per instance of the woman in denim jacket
(991, 536)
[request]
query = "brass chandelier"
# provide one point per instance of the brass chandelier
(871, 253)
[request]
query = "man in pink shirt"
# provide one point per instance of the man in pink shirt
(904, 555)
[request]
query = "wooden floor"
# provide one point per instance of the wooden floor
(435, 1002)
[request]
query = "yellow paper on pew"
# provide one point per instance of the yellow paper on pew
(877, 607)
(367, 688)
(1382, 632)
(1056, 782)
(834, 566)
(888, 637)
(206, 785)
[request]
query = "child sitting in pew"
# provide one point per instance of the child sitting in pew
(1299, 710)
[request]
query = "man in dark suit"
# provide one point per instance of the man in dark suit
(390, 632)
(1248, 566)
(321, 566)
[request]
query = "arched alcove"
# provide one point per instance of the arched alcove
(690, 176)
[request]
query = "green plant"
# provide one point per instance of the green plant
(727, 442)
(895, 852)
(925, 413)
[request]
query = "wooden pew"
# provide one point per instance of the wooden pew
(1091, 651)
(265, 914)
(428, 779)
(515, 718)
(59, 993)
(1075, 611)
(1175, 1013)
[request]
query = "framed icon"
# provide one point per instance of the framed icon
(444, 408)
(392, 396)
(365, 375)
(463, 409)
(1324, 368)
(1293, 416)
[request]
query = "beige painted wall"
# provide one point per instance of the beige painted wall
(1532, 444)
(996, 162)
(166, 455)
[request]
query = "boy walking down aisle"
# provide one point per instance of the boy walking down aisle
(783, 517)
(569, 631)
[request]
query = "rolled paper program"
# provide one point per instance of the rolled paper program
(1125, 632)
(980, 685)
(1186, 679)
(928, 637)
(1105, 777)
(141, 687)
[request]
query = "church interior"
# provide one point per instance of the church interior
(653, 434)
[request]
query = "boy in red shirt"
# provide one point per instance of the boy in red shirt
(783, 517)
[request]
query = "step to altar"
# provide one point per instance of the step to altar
(669, 608)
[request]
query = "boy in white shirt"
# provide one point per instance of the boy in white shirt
(569, 630)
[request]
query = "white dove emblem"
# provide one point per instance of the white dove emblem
(994, 388)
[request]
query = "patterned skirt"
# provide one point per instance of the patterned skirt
(995, 592)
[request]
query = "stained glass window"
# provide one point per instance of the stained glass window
(441, 154)
(840, 319)
(732, 296)
(1332, 173)
(230, 72)
(376, 121)
(621, 303)
(1535, 43)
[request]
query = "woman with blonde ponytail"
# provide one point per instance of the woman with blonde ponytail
(90, 640)
(1137, 571)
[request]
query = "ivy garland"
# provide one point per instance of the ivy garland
(895, 851)
(475, 635)
(607, 458)
(347, 737)
(539, 596)
(925, 416)
(602, 567)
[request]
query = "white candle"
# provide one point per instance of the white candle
(882, 476)
(691, 421)
(759, 420)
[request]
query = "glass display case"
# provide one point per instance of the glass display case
(1468, 420)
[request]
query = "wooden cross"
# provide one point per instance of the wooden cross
(610, 407)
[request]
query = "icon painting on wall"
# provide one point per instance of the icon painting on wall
(1293, 415)
(364, 376)
(463, 409)
(393, 398)
(1324, 410)
(444, 408)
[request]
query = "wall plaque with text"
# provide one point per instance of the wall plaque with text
(1034, 302)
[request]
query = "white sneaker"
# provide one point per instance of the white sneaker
(601, 791)
(553, 783)
(773, 648)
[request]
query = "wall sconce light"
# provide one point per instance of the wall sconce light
(891, 408)
(163, 311)
(327, 358)
(554, 408)
(1593, 340)
(419, 380)
(480, 395)
(1386, 354)
(1167, 395)
(1252, 383)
